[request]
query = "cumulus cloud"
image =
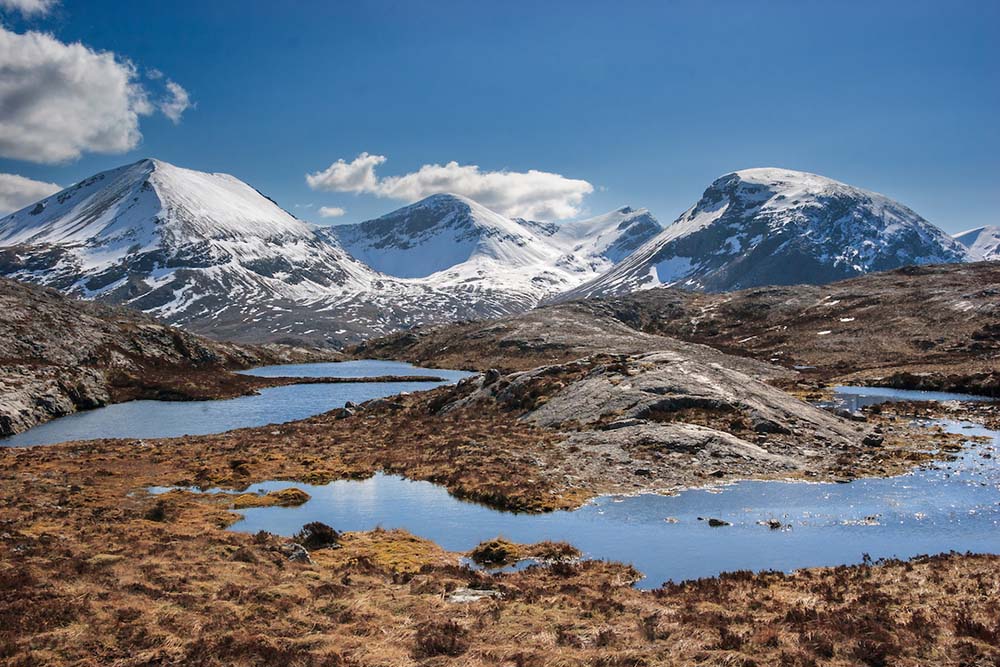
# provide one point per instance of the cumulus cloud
(28, 7)
(16, 192)
(331, 211)
(60, 100)
(530, 194)
(355, 176)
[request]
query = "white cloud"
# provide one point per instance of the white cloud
(355, 176)
(177, 103)
(530, 194)
(28, 7)
(16, 192)
(60, 100)
(331, 211)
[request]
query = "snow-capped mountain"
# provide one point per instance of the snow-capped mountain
(450, 242)
(181, 244)
(982, 242)
(778, 227)
(438, 233)
(211, 253)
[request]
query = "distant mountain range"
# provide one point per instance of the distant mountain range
(211, 253)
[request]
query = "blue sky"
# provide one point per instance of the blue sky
(648, 102)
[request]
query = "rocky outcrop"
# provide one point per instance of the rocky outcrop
(59, 355)
(919, 327)
(670, 418)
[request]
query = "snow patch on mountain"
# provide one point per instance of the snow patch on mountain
(983, 242)
(605, 240)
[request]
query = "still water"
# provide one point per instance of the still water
(167, 419)
(952, 505)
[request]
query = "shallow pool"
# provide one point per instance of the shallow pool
(950, 506)
(165, 419)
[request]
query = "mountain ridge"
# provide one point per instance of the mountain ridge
(211, 253)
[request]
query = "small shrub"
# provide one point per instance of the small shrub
(649, 627)
(554, 552)
(496, 553)
(873, 652)
(158, 512)
(967, 626)
(244, 555)
(606, 637)
(729, 640)
(440, 638)
(317, 535)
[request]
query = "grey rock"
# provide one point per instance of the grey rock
(715, 523)
(466, 595)
(295, 552)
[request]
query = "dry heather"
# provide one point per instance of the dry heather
(93, 571)
(90, 578)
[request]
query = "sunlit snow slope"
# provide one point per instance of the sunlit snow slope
(982, 242)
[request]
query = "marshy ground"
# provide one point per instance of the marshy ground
(97, 571)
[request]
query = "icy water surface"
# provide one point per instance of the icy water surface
(951, 506)
(165, 419)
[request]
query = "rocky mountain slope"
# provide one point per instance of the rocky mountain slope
(438, 233)
(59, 355)
(983, 242)
(778, 227)
(919, 327)
(935, 327)
(598, 243)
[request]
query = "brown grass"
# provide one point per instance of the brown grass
(93, 571)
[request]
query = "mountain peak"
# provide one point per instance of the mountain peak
(778, 226)
(438, 233)
(443, 198)
(149, 231)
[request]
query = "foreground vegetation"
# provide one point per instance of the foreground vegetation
(95, 571)
(160, 582)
